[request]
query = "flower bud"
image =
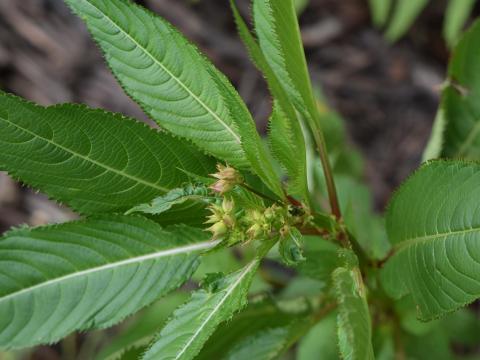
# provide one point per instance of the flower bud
(218, 229)
(254, 231)
(227, 177)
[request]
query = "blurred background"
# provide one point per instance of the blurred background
(387, 93)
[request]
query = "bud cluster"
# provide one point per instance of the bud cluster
(238, 225)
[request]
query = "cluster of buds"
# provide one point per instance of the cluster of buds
(222, 218)
(264, 224)
(227, 177)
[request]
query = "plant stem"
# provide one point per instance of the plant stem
(324, 311)
(327, 169)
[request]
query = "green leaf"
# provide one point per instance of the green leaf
(460, 99)
(367, 228)
(288, 146)
(286, 137)
(175, 84)
(88, 274)
(379, 10)
(404, 14)
(279, 37)
(320, 258)
(434, 226)
(193, 323)
(264, 330)
(353, 319)
(92, 160)
(173, 197)
(457, 14)
(321, 339)
(139, 332)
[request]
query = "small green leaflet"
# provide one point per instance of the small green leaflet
(88, 274)
(92, 160)
(192, 324)
(460, 105)
(434, 224)
(175, 84)
(176, 196)
(353, 320)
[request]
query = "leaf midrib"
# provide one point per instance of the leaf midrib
(133, 260)
(176, 79)
(217, 307)
(88, 159)
(426, 238)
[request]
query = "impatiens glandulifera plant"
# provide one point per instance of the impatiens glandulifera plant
(202, 197)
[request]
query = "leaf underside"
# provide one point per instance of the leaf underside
(88, 274)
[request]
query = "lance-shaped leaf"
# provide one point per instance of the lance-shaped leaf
(434, 224)
(286, 137)
(193, 323)
(92, 160)
(279, 37)
(86, 274)
(354, 327)
(175, 84)
(460, 105)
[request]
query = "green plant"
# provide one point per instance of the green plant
(398, 16)
(153, 217)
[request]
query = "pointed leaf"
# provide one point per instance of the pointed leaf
(289, 149)
(459, 104)
(353, 319)
(433, 222)
(86, 274)
(193, 323)
(286, 136)
(174, 83)
(278, 32)
(92, 160)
